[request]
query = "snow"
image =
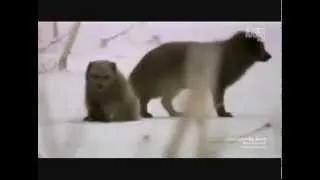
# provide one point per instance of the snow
(125, 140)
(254, 100)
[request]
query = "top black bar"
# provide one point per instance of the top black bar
(160, 10)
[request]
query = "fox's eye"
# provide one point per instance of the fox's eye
(94, 76)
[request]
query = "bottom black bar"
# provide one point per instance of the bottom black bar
(154, 168)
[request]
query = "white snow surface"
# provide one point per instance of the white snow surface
(254, 100)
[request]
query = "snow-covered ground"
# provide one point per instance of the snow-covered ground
(254, 100)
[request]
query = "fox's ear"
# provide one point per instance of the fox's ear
(241, 34)
(113, 66)
(89, 66)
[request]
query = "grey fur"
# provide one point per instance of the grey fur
(162, 72)
(109, 96)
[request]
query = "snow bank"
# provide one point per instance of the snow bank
(127, 140)
(64, 93)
